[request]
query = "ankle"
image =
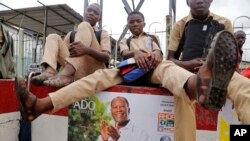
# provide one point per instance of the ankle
(190, 87)
(68, 70)
(49, 69)
(43, 105)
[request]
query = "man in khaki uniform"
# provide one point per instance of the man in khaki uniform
(193, 58)
(182, 83)
(78, 59)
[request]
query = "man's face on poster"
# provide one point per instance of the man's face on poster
(120, 110)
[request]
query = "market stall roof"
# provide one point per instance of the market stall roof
(60, 19)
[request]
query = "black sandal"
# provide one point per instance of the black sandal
(222, 60)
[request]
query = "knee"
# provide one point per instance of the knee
(53, 36)
(84, 25)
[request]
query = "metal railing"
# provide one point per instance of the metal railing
(32, 49)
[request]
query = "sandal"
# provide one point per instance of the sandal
(221, 63)
(39, 78)
(59, 81)
(27, 101)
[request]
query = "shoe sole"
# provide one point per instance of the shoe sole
(223, 60)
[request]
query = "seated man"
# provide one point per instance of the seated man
(192, 36)
(182, 83)
(78, 59)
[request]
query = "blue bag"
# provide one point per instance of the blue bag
(130, 71)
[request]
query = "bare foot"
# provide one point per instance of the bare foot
(59, 80)
(45, 75)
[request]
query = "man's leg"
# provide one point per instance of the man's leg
(88, 86)
(80, 66)
(55, 51)
(239, 93)
(174, 78)
(211, 81)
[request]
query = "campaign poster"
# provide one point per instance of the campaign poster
(153, 114)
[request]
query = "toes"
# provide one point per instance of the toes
(46, 82)
(39, 79)
(58, 82)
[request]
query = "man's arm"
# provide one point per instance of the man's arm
(144, 59)
(79, 49)
(192, 65)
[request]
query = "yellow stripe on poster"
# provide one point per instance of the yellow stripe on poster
(223, 130)
(226, 117)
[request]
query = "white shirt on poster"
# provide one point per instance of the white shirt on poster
(131, 133)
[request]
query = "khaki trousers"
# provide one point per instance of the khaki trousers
(167, 74)
(239, 94)
(56, 51)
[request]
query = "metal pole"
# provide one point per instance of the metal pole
(174, 11)
(20, 56)
(100, 21)
(133, 3)
(86, 3)
(128, 10)
(170, 7)
(168, 29)
(45, 25)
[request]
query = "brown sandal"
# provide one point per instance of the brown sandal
(26, 100)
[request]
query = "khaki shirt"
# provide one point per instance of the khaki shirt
(105, 40)
(105, 44)
(138, 42)
(179, 27)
